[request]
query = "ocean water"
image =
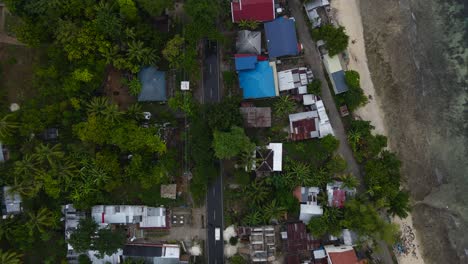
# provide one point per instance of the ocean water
(418, 58)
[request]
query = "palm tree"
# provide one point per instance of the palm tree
(26, 167)
(349, 181)
(300, 172)
(64, 171)
(134, 111)
(111, 113)
(7, 127)
(354, 139)
(283, 106)
(257, 192)
(97, 106)
(26, 187)
(10, 257)
(45, 153)
(41, 220)
(139, 54)
(253, 219)
(273, 211)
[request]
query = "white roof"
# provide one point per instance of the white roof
(171, 251)
(277, 155)
(308, 211)
(130, 214)
(332, 64)
(319, 254)
(184, 85)
(302, 89)
(286, 80)
(309, 99)
(325, 129)
(11, 201)
(347, 239)
(113, 259)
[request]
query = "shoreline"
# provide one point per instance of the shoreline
(347, 14)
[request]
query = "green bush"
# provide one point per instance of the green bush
(233, 241)
(355, 96)
(242, 177)
(315, 87)
(335, 38)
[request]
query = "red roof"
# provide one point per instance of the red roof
(346, 257)
(339, 198)
(257, 10)
(299, 243)
(302, 128)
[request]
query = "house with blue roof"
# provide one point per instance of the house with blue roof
(336, 72)
(153, 85)
(258, 82)
(245, 61)
(281, 37)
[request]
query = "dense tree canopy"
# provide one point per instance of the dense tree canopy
(335, 38)
(231, 144)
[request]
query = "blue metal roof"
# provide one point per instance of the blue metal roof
(259, 82)
(246, 62)
(153, 85)
(281, 37)
(339, 81)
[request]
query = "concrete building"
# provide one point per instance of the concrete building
(262, 244)
(143, 216)
(308, 196)
(11, 202)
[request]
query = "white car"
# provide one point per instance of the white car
(217, 234)
(147, 115)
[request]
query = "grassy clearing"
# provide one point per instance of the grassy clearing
(17, 63)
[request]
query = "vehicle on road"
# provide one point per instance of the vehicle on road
(217, 234)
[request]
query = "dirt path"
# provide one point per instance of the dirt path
(4, 38)
(312, 57)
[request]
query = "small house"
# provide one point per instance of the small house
(256, 116)
(11, 202)
(143, 216)
(298, 78)
(252, 10)
(308, 198)
(341, 254)
(337, 194)
(299, 243)
(336, 73)
(256, 79)
(281, 38)
(153, 85)
(249, 42)
(269, 159)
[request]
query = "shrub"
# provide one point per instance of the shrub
(355, 96)
(335, 38)
(314, 87)
(233, 241)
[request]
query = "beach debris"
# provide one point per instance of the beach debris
(406, 246)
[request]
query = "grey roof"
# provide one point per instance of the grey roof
(11, 201)
(339, 81)
(249, 42)
(153, 85)
(313, 4)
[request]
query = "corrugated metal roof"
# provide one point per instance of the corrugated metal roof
(249, 42)
(281, 37)
(153, 85)
(256, 10)
(245, 62)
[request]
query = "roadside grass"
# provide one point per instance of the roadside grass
(17, 64)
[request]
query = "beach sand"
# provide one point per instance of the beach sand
(347, 14)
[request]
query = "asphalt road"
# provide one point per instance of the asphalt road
(211, 73)
(214, 197)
